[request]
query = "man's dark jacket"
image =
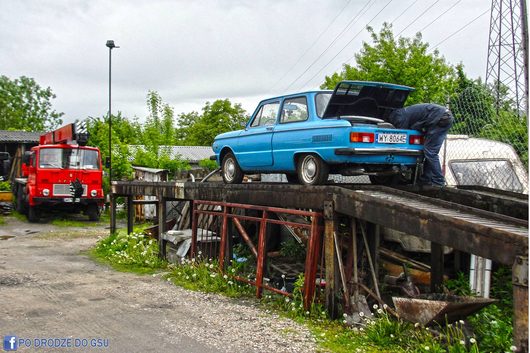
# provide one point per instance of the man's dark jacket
(419, 116)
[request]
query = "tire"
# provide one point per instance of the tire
(312, 170)
(20, 205)
(33, 214)
(92, 211)
(292, 178)
(230, 170)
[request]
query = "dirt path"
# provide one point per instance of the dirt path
(50, 288)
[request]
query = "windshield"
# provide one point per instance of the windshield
(321, 102)
(497, 174)
(68, 158)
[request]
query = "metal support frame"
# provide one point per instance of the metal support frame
(130, 214)
(332, 268)
(227, 214)
(113, 213)
(520, 303)
(161, 227)
(437, 266)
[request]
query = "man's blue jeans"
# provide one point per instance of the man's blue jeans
(432, 170)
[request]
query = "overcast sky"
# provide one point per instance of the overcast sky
(197, 51)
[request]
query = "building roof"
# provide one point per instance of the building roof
(192, 154)
(19, 136)
(149, 170)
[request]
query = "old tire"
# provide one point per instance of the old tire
(33, 214)
(92, 211)
(20, 205)
(230, 170)
(312, 170)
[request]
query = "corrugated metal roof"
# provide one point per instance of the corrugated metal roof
(192, 154)
(149, 170)
(19, 136)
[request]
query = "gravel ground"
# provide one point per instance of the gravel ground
(50, 288)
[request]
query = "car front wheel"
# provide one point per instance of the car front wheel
(231, 172)
(312, 170)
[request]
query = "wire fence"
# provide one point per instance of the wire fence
(489, 142)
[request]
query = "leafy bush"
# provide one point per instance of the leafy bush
(5, 186)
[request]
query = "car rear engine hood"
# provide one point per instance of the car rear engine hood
(364, 98)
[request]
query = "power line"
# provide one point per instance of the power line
(461, 28)
(331, 44)
(419, 16)
(443, 13)
(401, 14)
(351, 40)
(311, 46)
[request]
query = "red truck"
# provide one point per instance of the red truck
(61, 173)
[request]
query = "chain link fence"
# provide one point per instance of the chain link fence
(488, 145)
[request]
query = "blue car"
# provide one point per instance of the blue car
(309, 135)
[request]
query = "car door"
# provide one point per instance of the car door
(255, 142)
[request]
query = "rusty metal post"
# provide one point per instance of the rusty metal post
(194, 222)
(260, 263)
(161, 227)
(224, 234)
(130, 214)
(112, 214)
(437, 267)
(332, 277)
(520, 303)
(311, 264)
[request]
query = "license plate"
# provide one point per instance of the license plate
(391, 138)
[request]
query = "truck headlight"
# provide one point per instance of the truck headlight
(46, 192)
(93, 193)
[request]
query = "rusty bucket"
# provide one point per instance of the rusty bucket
(438, 308)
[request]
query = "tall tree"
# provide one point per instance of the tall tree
(217, 117)
(405, 61)
(24, 105)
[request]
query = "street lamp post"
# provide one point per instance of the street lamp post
(110, 44)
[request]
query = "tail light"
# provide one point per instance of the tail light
(364, 137)
(416, 139)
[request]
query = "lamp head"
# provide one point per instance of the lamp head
(110, 44)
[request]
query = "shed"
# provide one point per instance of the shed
(16, 143)
(148, 174)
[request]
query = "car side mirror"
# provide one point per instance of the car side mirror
(26, 157)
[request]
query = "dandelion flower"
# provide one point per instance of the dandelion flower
(283, 276)
(287, 300)
(391, 335)
(375, 306)
(200, 252)
(230, 282)
(379, 311)
(461, 322)
(385, 306)
(344, 321)
(361, 314)
(513, 348)
(462, 342)
(417, 324)
(344, 315)
(225, 277)
(427, 348)
(472, 340)
(233, 270)
(307, 312)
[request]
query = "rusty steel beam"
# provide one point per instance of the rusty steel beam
(331, 263)
(245, 236)
(224, 236)
(130, 214)
(311, 263)
(194, 227)
(260, 263)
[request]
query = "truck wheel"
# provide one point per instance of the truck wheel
(312, 170)
(230, 170)
(20, 206)
(33, 214)
(92, 211)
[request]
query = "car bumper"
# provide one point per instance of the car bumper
(67, 200)
(377, 151)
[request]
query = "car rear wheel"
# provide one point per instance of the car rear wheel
(312, 170)
(230, 170)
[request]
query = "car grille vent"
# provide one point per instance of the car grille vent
(322, 138)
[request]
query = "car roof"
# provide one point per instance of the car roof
(296, 94)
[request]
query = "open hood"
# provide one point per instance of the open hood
(364, 98)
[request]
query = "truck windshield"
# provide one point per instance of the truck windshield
(68, 158)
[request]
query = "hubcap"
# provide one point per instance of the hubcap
(309, 168)
(230, 169)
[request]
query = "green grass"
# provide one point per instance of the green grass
(2, 220)
(129, 253)
(65, 222)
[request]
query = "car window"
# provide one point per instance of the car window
(266, 115)
(294, 109)
(498, 174)
(321, 102)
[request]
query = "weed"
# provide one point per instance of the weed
(129, 252)
(2, 220)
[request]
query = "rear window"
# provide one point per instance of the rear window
(321, 103)
(498, 174)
